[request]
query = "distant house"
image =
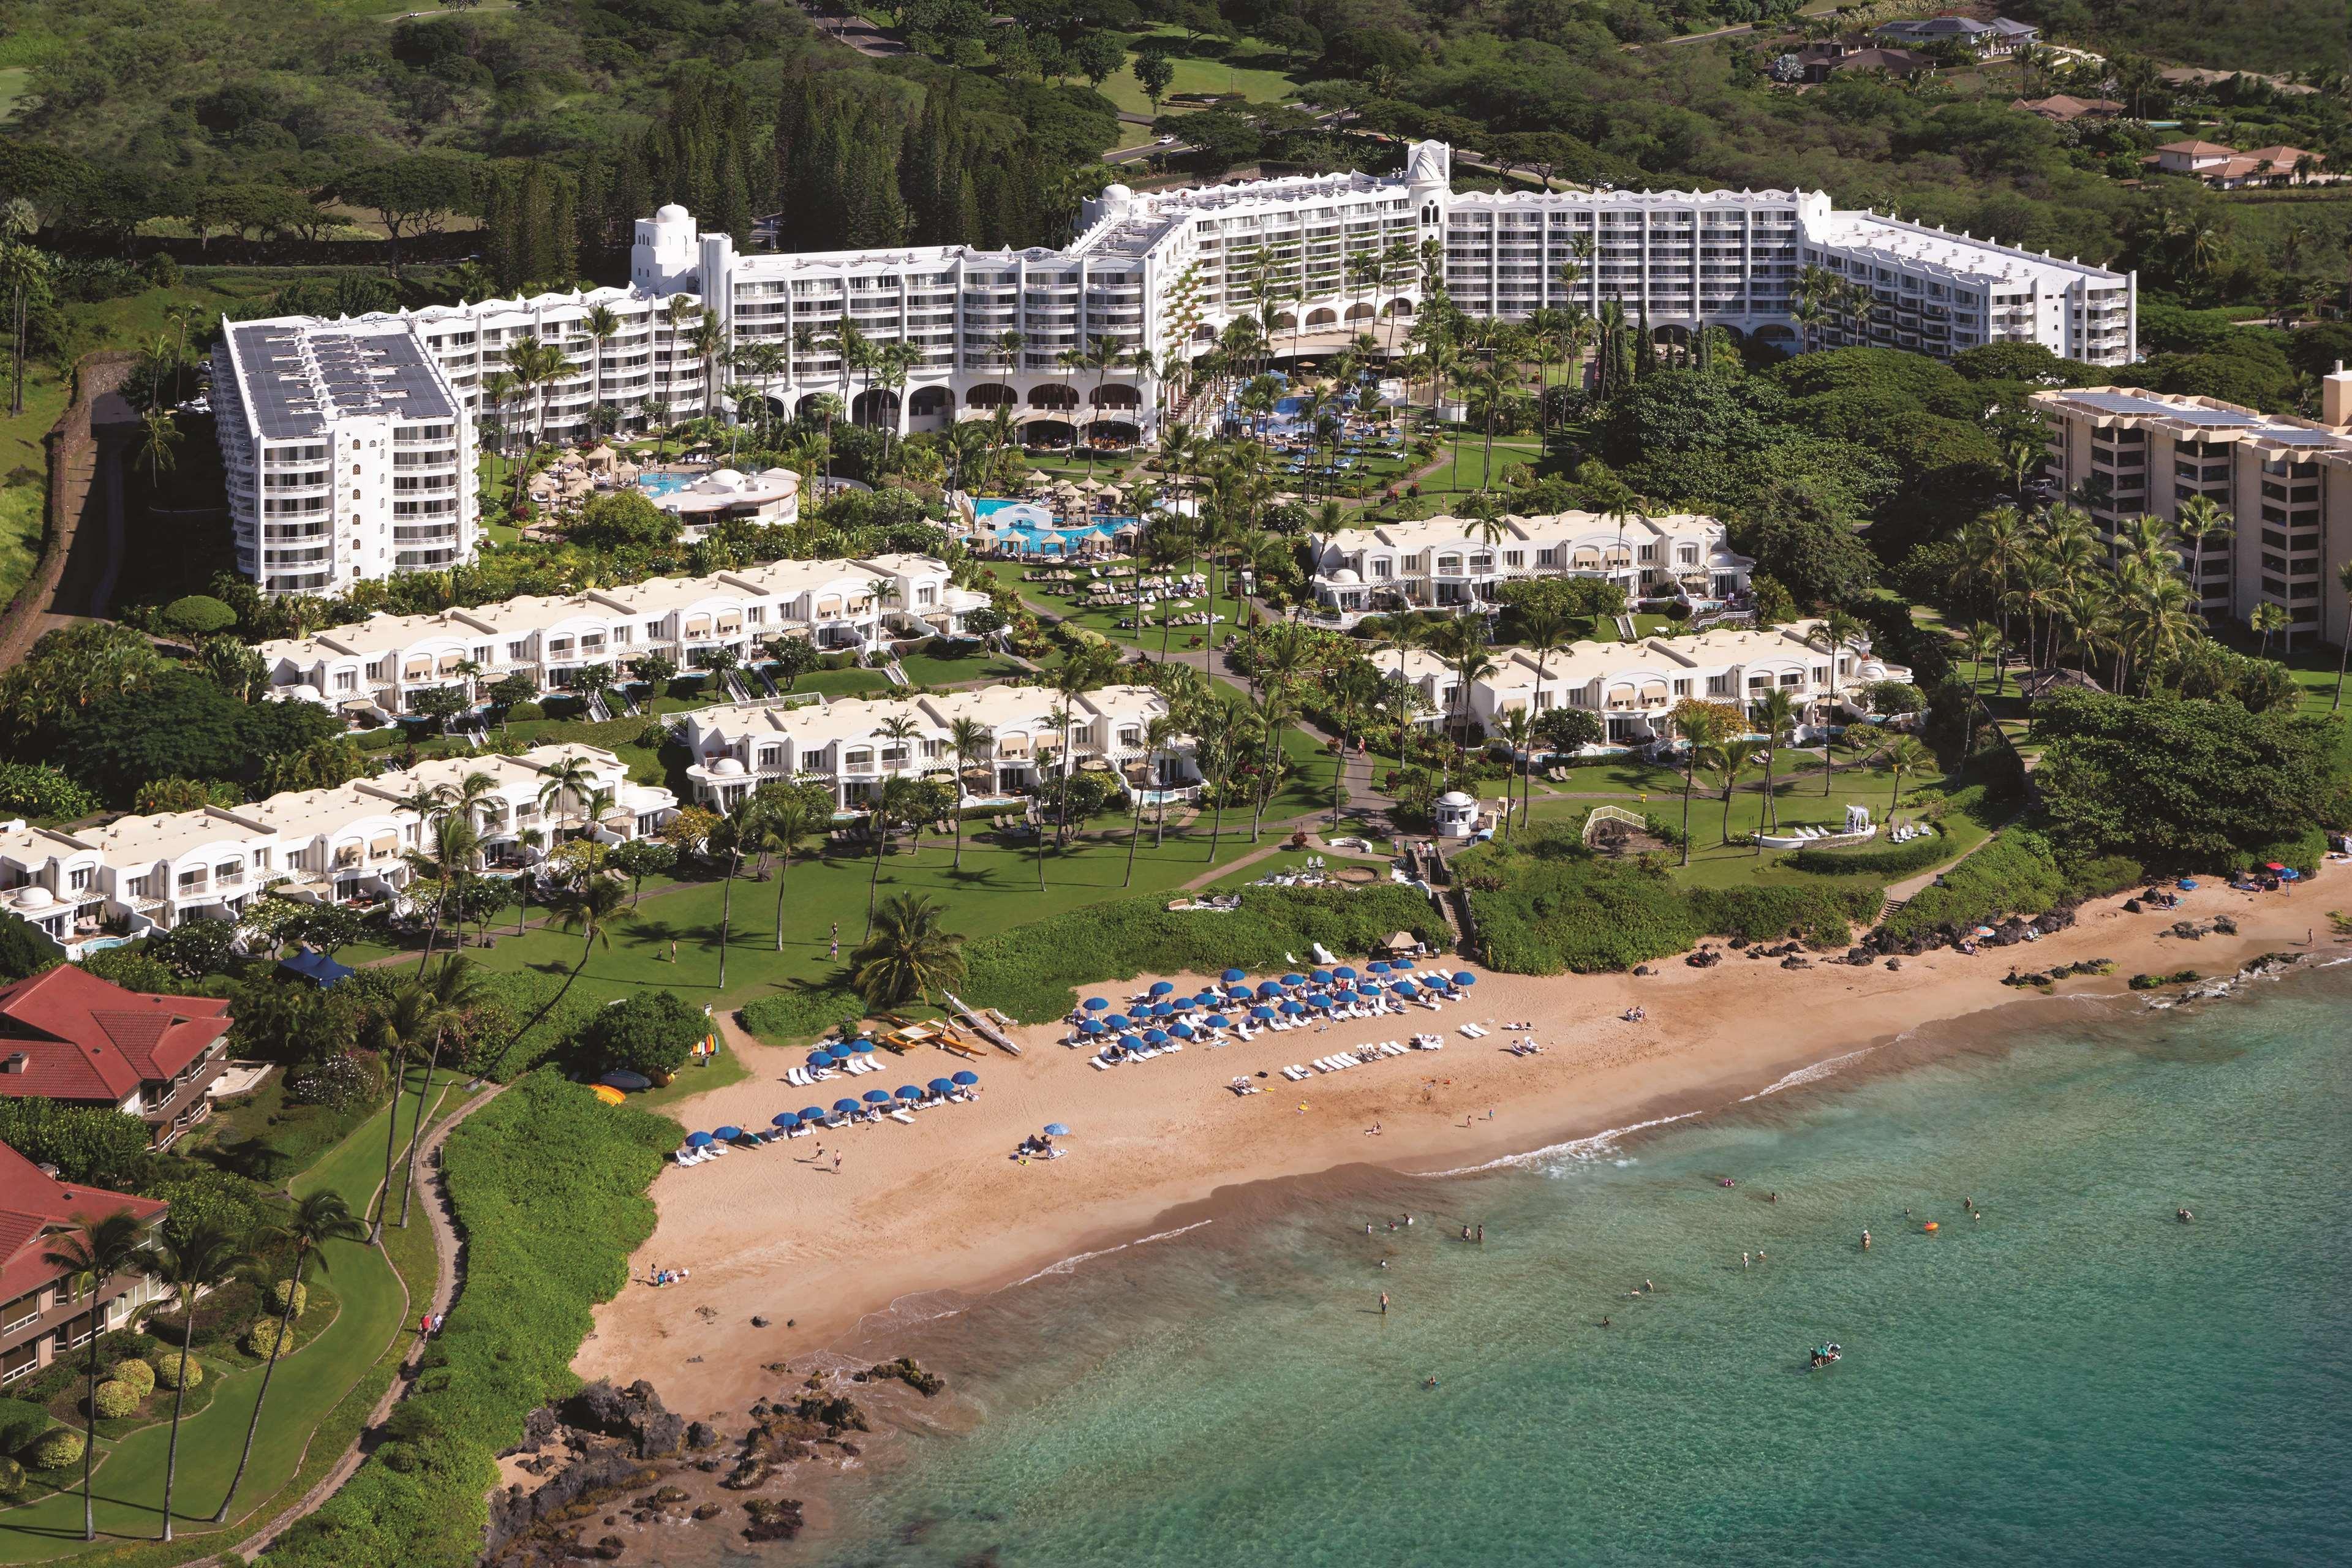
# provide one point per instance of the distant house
(2227, 169)
(1889, 62)
(41, 1316)
(1990, 41)
(1810, 62)
(2062, 110)
(66, 1034)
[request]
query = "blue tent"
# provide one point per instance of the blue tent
(909, 1092)
(728, 1134)
(1162, 988)
(1235, 976)
(844, 1107)
(878, 1096)
(1095, 1004)
(967, 1078)
(785, 1120)
(812, 1113)
(697, 1139)
(316, 968)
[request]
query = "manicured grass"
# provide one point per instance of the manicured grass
(1468, 471)
(312, 1385)
(973, 665)
(1206, 68)
(843, 682)
(1054, 597)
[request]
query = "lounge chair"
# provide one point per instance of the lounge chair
(901, 1114)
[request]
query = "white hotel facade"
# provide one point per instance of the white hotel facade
(1157, 271)
(1443, 561)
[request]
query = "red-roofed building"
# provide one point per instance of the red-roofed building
(66, 1035)
(40, 1317)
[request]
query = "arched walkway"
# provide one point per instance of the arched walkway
(1359, 311)
(877, 405)
(1053, 396)
(992, 395)
(1397, 308)
(1116, 395)
(1322, 318)
(929, 402)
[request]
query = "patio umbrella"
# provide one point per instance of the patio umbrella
(1208, 998)
(1405, 988)
(1182, 1031)
(863, 1047)
(1261, 1013)
(1324, 1002)
(1055, 1130)
(844, 1107)
(966, 1080)
(820, 1058)
(878, 1096)
(1240, 993)
(1097, 1004)
(909, 1092)
(1155, 1036)
(1344, 997)
(1091, 1026)
(729, 1134)
(1322, 977)
(1380, 966)
(941, 1086)
(784, 1119)
(1344, 972)
(1117, 1021)
(697, 1139)
(1294, 980)
(1463, 977)
(2272, 866)
(1292, 1008)
(1162, 988)
(1216, 1021)
(1400, 964)
(1161, 1009)
(1269, 988)
(1130, 1042)
(812, 1113)
(1233, 975)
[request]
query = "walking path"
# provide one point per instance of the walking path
(449, 1281)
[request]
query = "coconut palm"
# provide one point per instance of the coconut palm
(1775, 713)
(969, 741)
(786, 820)
(1726, 764)
(586, 902)
(451, 992)
(1903, 753)
(571, 779)
(602, 325)
(907, 954)
(398, 1032)
(2266, 619)
(738, 829)
(110, 1244)
(1983, 638)
(1837, 632)
(188, 1263)
(319, 1218)
(1520, 733)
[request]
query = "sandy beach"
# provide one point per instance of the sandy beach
(918, 1217)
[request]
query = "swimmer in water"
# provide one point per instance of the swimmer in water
(1604, 1323)
(1431, 1382)
(1866, 1241)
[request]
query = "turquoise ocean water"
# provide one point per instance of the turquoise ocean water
(2074, 1378)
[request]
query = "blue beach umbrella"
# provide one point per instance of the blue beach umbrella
(877, 1097)
(1465, 977)
(1234, 976)
(1055, 1130)
(1380, 966)
(1155, 1036)
(812, 1113)
(820, 1058)
(1269, 988)
(1344, 972)
(1130, 1042)
(697, 1139)
(1162, 988)
(728, 1134)
(785, 1120)
(844, 1107)
(1217, 1021)
(1406, 988)
(1097, 1004)
(1240, 993)
(909, 1092)
(1090, 1027)
(1294, 980)
(1293, 1009)
(967, 1078)
(1261, 1013)
(1401, 963)
(1117, 1021)
(1162, 1009)
(1436, 979)
(863, 1047)
(1347, 996)
(1322, 977)
(941, 1086)
(1182, 1031)
(1207, 997)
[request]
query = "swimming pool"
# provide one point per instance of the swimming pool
(657, 486)
(1027, 536)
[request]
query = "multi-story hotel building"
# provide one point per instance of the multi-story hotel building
(1634, 685)
(841, 744)
(1165, 271)
(1447, 561)
(385, 662)
(2286, 482)
(46, 1313)
(150, 873)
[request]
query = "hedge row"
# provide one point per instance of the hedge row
(801, 1012)
(2016, 874)
(1545, 905)
(1887, 861)
(548, 1185)
(1031, 971)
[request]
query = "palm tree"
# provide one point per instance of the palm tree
(456, 841)
(786, 822)
(741, 827)
(969, 740)
(159, 443)
(396, 1033)
(602, 326)
(188, 1263)
(1838, 630)
(586, 903)
(890, 804)
(570, 779)
(318, 1219)
(1158, 734)
(905, 954)
(1902, 752)
(104, 1247)
(1520, 733)
(1728, 763)
(1984, 637)
(2268, 618)
(451, 992)
(1776, 714)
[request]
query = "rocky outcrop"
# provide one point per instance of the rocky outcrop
(635, 1415)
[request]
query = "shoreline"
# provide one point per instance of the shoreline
(922, 1218)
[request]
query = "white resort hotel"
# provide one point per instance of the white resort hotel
(344, 439)
(1448, 561)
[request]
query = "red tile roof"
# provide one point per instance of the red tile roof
(85, 1039)
(35, 1208)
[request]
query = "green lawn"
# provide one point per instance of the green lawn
(1206, 69)
(843, 682)
(1056, 598)
(971, 665)
(346, 1365)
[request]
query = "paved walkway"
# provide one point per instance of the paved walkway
(449, 1281)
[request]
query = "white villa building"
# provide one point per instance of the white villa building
(384, 663)
(1634, 686)
(1449, 561)
(840, 743)
(1158, 272)
(324, 846)
(2286, 482)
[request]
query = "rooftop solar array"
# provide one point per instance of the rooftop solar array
(297, 376)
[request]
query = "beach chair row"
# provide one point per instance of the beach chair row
(1361, 1056)
(804, 1077)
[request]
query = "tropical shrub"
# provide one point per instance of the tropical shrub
(1887, 861)
(801, 1012)
(12, 1477)
(1031, 971)
(301, 1296)
(652, 1032)
(113, 1400)
(137, 1374)
(59, 1449)
(2018, 873)
(167, 1370)
(261, 1338)
(93, 1144)
(338, 1082)
(37, 789)
(548, 1185)
(21, 1421)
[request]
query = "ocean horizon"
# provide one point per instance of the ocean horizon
(2064, 1371)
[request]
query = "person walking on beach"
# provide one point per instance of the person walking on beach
(1384, 1303)
(836, 1162)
